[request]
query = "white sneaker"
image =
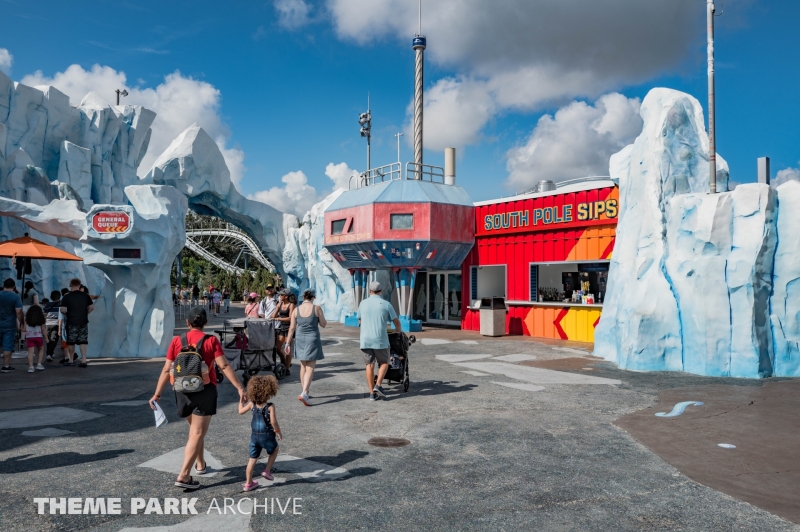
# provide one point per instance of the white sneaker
(31, 370)
(49, 358)
(39, 367)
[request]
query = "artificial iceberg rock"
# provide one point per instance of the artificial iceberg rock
(75, 169)
(194, 165)
(309, 264)
(691, 273)
(134, 315)
(720, 249)
(785, 300)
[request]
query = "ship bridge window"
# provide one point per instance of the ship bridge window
(402, 221)
(338, 227)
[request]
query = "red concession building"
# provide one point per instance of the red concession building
(547, 254)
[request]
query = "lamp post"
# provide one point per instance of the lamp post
(122, 92)
(365, 119)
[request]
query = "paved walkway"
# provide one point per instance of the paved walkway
(503, 434)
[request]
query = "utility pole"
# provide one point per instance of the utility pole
(712, 134)
(122, 92)
(398, 135)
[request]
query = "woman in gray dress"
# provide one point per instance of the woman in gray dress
(304, 328)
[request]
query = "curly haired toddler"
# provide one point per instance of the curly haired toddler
(266, 433)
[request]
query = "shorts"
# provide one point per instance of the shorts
(262, 440)
(381, 356)
(36, 341)
(282, 332)
(8, 336)
(202, 403)
(78, 334)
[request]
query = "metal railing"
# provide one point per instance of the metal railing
(393, 171)
(419, 171)
(380, 174)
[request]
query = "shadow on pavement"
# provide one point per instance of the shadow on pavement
(339, 460)
(419, 388)
(27, 462)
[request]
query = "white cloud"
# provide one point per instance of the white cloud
(524, 55)
(627, 38)
(6, 60)
(295, 197)
(455, 112)
(178, 101)
(340, 174)
(787, 174)
(292, 14)
(575, 142)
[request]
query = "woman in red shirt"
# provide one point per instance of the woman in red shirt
(197, 407)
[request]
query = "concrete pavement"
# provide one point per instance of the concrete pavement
(505, 434)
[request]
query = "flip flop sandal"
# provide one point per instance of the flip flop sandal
(191, 484)
(201, 471)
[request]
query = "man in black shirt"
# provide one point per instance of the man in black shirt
(77, 306)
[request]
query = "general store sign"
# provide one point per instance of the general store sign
(111, 222)
(563, 211)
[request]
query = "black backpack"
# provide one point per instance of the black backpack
(189, 372)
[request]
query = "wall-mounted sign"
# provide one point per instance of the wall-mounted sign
(111, 222)
(562, 211)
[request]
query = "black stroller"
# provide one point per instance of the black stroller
(255, 343)
(399, 343)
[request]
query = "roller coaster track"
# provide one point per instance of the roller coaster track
(199, 240)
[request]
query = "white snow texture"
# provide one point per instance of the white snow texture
(58, 161)
(700, 283)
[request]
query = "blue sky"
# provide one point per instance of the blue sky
(280, 83)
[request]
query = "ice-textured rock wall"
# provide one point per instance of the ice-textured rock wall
(719, 263)
(58, 161)
(194, 165)
(309, 265)
(785, 300)
(40, 122)
(90, 152)
(133, 316)
(692, 273)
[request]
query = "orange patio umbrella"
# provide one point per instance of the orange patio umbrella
(26, 246)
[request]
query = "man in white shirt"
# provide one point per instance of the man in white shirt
(268, 304)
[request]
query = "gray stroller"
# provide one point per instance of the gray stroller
(258, 350)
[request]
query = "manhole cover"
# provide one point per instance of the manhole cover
(388, 442)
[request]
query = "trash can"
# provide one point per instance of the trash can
(493, 316)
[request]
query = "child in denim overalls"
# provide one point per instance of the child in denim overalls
(266, 433)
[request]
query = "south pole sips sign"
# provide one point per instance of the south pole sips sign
(111, 222)
(547, 213)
